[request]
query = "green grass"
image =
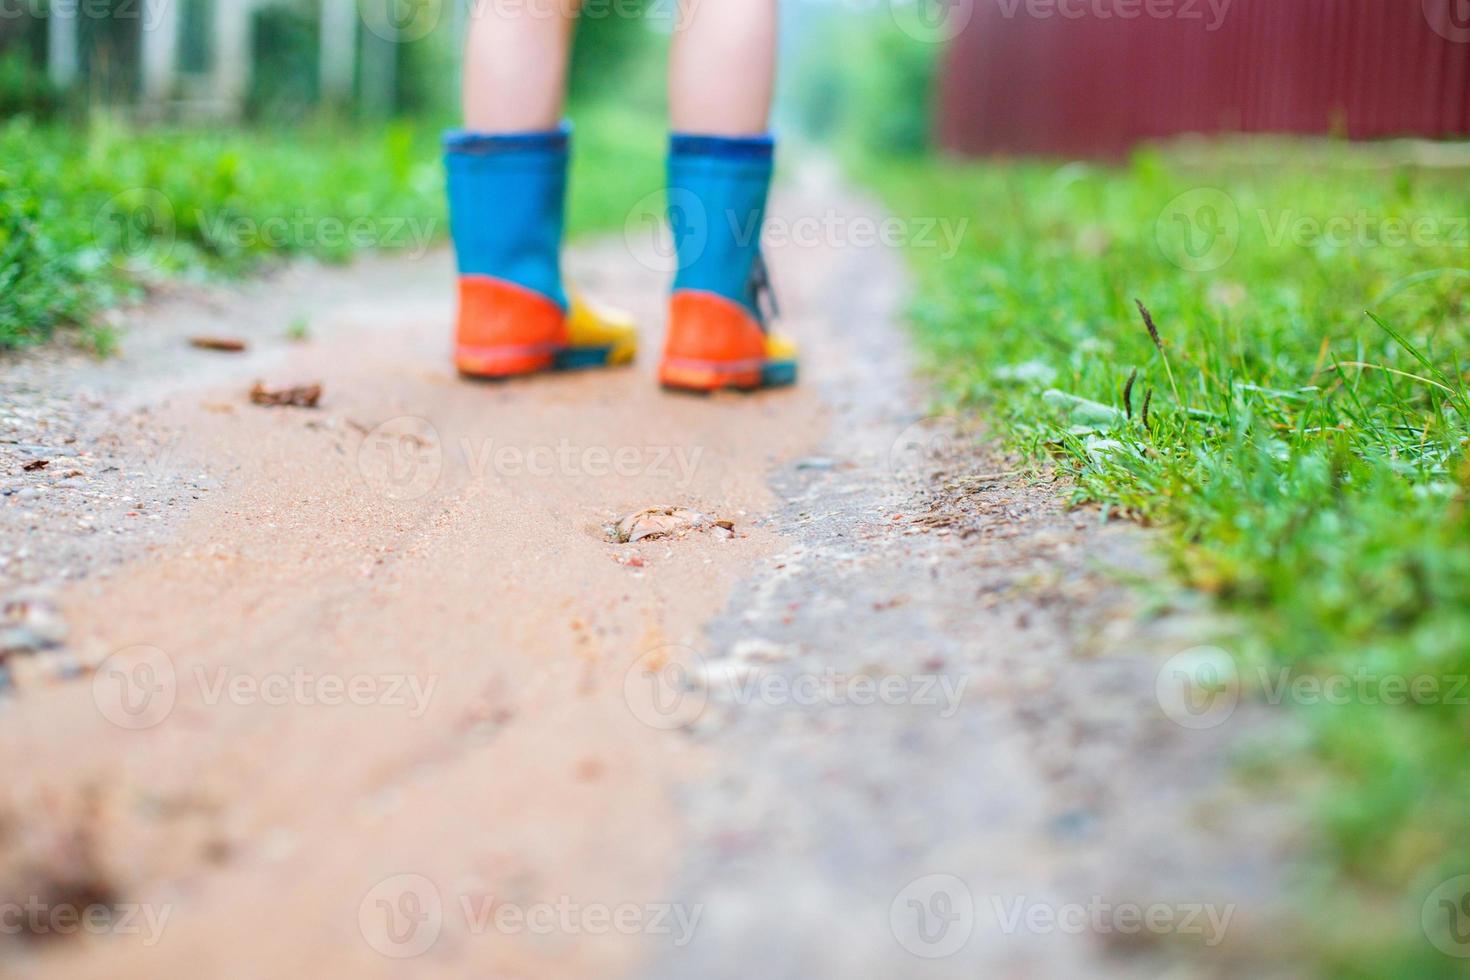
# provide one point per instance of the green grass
(617, 161)
(90, 219)
(1304, 450)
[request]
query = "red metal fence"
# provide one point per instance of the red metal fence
(1094, 77)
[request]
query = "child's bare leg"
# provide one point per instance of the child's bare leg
(721, 155)
(515, 70)
(507, 172)
(722, 67)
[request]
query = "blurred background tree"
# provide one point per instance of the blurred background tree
(856, 82)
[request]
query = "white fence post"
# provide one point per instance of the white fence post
(159, 48)
(231, 75)
(338, 49)
(61, 42)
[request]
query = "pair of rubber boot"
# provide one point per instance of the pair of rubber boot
(507, 195)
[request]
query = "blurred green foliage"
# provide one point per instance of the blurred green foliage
(618, 58)
(93, 212)
(427, 79)
(25, 88)
(91, 217)
(858, 82)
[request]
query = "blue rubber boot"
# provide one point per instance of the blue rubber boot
(718, 336)
(507, 201)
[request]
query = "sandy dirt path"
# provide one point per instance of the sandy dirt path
(366, 689)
